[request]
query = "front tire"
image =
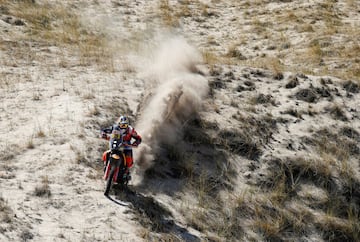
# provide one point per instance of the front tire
(109, 181)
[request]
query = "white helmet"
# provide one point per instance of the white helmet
(123, 122)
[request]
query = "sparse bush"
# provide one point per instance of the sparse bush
(286, 176)
(239, 143)
(291, 172)
(292, 83)
(217, 84)
(278, 76)
(352, 87)
(258, 73)
(324, 92)
(263, 99)
(307, 95)
(233, 52)
(5, 211)
(210, 58)
(197, 136)
(40, 134)
(195, 132)
(350, 133)
(337, 112)
(43, 190)
(26, 235)
(333, 229)
(30, 144)
(330, 143)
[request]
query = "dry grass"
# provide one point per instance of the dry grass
(233, 52)
(30, 143)
(56, 24)
(26, 235)
(275, 220)
(5, 211)
(211, 58)
(276, 28)
(43, 190)
(321, 20)
(40, 133)
(168, 14)
(333, 228)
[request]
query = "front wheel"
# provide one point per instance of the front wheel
(109, 181)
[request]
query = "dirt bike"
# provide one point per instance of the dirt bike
(115, 170)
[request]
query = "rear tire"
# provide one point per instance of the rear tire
(109, 181)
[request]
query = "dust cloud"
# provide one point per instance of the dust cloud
(174, 92)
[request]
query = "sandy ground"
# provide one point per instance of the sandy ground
(49, 120)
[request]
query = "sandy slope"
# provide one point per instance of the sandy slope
(76, 208)
(49, 119)
(47, 132)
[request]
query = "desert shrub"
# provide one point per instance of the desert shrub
(292, 83)
(289, 173)
(334, 230)
(43, 190)
(26, 235)
(240, 88)
(278, 75)
(337, 112)
(217, 84)
(260, 128)
(239, 143)
(197, 131)
(325, 81)
(324, 92)
(197, 136)
(5, 211)
(350, 133)
(215, 70)
(307, 95)
(250, 86)
(258, 73)
(249, 83)
(233, 52)
(330, 142)
(350, 86)
(262, 99)
(292, 171)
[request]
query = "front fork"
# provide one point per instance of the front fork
(107, 172)
(114, 161)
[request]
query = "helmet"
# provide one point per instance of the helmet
(123, 122)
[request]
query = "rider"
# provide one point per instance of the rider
(128, 133)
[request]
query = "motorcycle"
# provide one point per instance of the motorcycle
(115, 170)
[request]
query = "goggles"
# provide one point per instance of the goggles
(123, 126)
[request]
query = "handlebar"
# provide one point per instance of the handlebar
(122, 146)
(130, 145)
